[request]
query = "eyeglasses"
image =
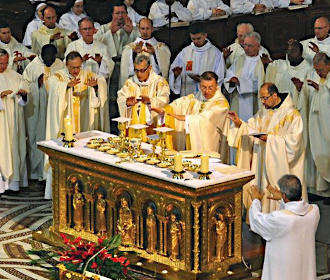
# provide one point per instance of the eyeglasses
(141, 70)
(264, 98)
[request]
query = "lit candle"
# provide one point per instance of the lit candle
(177, 162)
(204, 163)
(68, 129)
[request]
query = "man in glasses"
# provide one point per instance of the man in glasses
(140, 93)
(321, 41)
(270, 143)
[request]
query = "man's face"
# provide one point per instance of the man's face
(321, 29)
(322, 69)
(198, 39)
(48, 58)
(50, 17)
(208, 88)
(294, 54)
(74, 66)
(145, 29)
(142, 71)
(87, 30)
(78, 8)
(119, 14)
(241, 32)
(3, 63)
(251, 46)
(5, 35)
(267, 100)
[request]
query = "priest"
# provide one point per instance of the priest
(140, 93)
(94, 53)
(321, 41)
(159, 12)
(19, 55)
(51, 33)
(36, 75)
(13, 95)
(270, 143)
(69, 21)
(159, 53)
(251, 6)
(202, 10)
(200, 56)
(199, 119)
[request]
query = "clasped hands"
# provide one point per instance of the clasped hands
(274, 193)
(131, 101)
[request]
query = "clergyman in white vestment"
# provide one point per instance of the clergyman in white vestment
(36, 75)
(250, 6)
(270, 143)
(13, 96)
(200, 56)
(289, 232)
(202, 10)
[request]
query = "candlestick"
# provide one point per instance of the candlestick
(68, 129)
(178, 162)
(204, 164)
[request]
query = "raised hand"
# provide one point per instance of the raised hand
(275, 194)
(5, 93)
(97, 58)
(128, 26)
(131, 101)
(297, 83)
(73, 82)
(313, 47)
(177, 71)
(226, 52)
(138, 47)
(234, 118)
(265, 59)
(56, 36)
(86, 57)
(313, 84)
(150, 48)
(92, 82)
(255, 193)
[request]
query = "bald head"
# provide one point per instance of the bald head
(146, 28)
(321, 28)
(49, 17)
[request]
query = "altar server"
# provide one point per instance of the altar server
(277, 149)
(159, 53)
(202, 10)
(34, 25)
(144, 90)
(200, 56)
(36, 75)
(13, 96)
(159, 12)
(200, 118)
(94, 53)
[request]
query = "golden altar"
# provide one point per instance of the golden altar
(179, 229)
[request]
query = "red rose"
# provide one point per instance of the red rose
(94, 265)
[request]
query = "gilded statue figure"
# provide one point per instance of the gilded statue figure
(100, 215)
(78, 207)
(125, 225)
(151, 230)
(176, 233)
(221, 236)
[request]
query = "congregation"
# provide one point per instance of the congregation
(268, 116)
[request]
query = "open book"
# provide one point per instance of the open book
(296, 7)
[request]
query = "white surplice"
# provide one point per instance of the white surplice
(105, 68)
(69, 21)
(286, 3)
(290, 239)
(324, 46)
(13, 173)
(160, 61)
(31, 27)
(36, 112)
(160, 9)
(246, 6)
(282, 153)
(250, 72)
(202, 10)
(134, 15)
(196, 60)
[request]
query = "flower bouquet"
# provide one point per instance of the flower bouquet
(80, 259)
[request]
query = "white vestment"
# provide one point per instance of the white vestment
(36, 112)
(159, 10)
(42, 37)
(286, 3)
(282, 153)
(290, 240)
(202, 10)
(324, 46)
(105, 68)
(196, 60)
(69, 21)
(246, 6)
(160, 61)
(115, 42)
(33, 25)
(12, 133)
(12, 47)
(250, 73)
(134, 16)
(205, 118)
(238, 50)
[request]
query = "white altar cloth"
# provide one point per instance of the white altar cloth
(190, 178)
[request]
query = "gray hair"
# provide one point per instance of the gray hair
(321, 57)
(255, 35)
(85, 19)
(290, 185)
(249, 25)
(142, 57)
(3, 52)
